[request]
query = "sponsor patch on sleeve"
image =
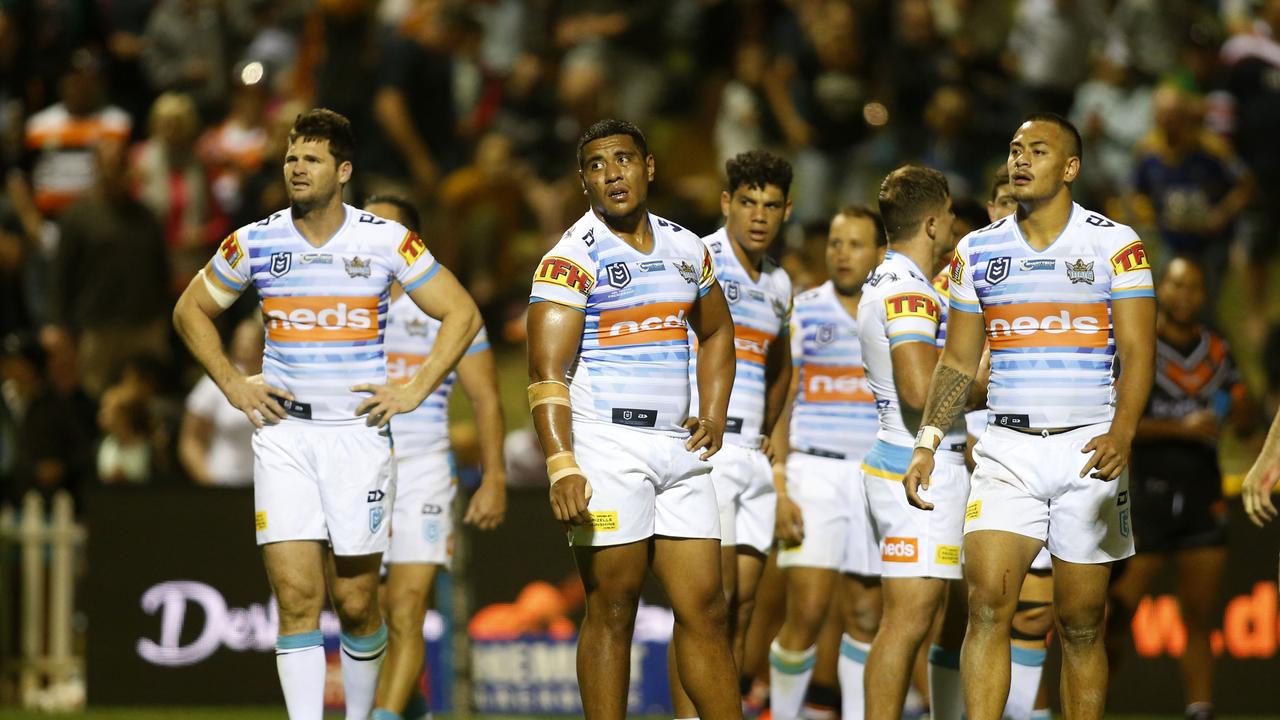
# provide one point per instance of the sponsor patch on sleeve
(957, 267)
(565, 273)
(708, 269)
(230, 250)
(411, 248)
(1131, 257)
(912, 305)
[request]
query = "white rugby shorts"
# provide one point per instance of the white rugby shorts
(422, 518)
(744, 490)
(833, 507)
(642, 484)
(333, 484)
(1031, 485)
(915, 542)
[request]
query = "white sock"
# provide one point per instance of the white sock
(852, 665)
(1041, 714)
(946, 691)
(300, 663)
(789, 673)
(361, 660)
(1024, 682)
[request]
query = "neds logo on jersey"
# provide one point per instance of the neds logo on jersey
(321, 319)
(1130, 258)
(751, 345)
(1042, 325)
(835, 383)
(912, 305)
(402, 366)
(565, 273)
(644, 324)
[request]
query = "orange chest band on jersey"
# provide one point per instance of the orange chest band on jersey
(548, 392)
(561, 465)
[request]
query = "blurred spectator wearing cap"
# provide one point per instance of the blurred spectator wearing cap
(185, 51)
(1251, 63)
(215, 443)
(109, 278)
(1192, 185)
(61, 138)
(171, 180)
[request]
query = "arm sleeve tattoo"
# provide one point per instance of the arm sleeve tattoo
(947, 394)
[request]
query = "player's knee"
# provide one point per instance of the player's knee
(1082, 627)
(299, 605)
(356, 607)
(405, 616)
(614, 611)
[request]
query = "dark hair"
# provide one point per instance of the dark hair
(1065, 125)
(755, 169)
(971, 212)
(410, 217)
(608, 128)
(324, 124)
(866, 213)
(1189, 260)
(907, 195)
(1000, 180)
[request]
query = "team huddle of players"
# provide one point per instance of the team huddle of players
(695, 418)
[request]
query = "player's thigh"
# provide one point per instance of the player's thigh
(809, 593)
(408, 591)
(912, 601)
(357, 488)
(1080, 598)
(286, 485)
(749, 566)
(353, 583)
(612, 573)
(296, 572)
(996, 562)
(421, 520)
(622, 466)
(688, 569)
(820, 487)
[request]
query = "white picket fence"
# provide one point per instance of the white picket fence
(42, 670)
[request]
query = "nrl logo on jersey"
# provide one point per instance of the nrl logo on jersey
(356, 267)
(281, 263)
(619, 274)
(826, 335)
(997, 270)
(687, 272)
(732, 291)
(1079, 272)
(416, 327)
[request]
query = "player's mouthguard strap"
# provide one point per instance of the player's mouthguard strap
(562, 465)
(548, 392)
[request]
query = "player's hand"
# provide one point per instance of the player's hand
(766, 447)
(1256, 492)
(569, 498)
(258, 401)
(704, 433)
(788, 522)
(917, 478)
(1110, 456)
(386, 401)
(488, 507)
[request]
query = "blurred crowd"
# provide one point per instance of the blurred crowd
(135, 134)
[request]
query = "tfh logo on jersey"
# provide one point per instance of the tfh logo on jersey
(565, 273)
(997, 270)
(281, 262)
(230, 250)
(957, 267)
(1130, 258)
(644, 324)
(411, 248)
(1039, 325)
(321, 319)
(912, 305)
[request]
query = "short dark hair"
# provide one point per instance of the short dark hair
(1000, 180)
(324, 124)
(866, 213)
(411, 219)
(755, 169)
(607, 128)
(1065, 125)
(907, 195)
(971, 212)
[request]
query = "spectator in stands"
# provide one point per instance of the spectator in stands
(234, 149)
(1192, 185)
(1050, 46)
(214, 445)
(185, 51)
(61, 138)
(743, 122)
(1251, 62)
(173, 183)
(124, 23)
(110, 277)
(262, 192)
(125, 453)
(1113, 111)
(608, 57)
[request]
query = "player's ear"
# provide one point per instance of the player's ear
(344, 172)
(786, 212)
(1072, 169)
(582, 180)
(648, 162)
(725, 200)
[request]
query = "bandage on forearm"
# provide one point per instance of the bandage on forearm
(548, 392)
(561, 465)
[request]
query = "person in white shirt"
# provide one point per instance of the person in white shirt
(215, 443)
